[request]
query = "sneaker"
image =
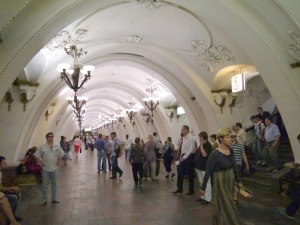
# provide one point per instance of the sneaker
(121, 173)
(177, 192)
(282, 211)
(55, 201)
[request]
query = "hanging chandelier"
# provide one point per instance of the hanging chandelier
(131, 112)
(77, 74)
(119, 116)
(151, 102)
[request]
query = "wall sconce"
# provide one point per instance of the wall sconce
(220, 97)
(25, 100)
(171, 112)
(233, 102)
(47, 114)
(8, 99)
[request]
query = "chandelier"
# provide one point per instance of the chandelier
(77, 74)
(151, 102)
(131, 112)
(77, 104)
(120, 117)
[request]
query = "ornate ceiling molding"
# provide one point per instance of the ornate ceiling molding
(64, 39)
(135, 39)
(293, 49)
(151, 4)
(210, 56)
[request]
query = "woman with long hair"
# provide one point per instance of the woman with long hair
(221, 167)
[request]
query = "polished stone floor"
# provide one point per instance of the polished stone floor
(89, 198)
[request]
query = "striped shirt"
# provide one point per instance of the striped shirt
(238, 149)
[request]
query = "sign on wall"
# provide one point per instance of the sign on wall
(238, 83)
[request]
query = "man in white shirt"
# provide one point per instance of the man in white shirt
(259, 138)
(49, 156)
(128, 143)
(186, 161)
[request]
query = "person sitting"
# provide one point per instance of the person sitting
(5, 207)
(32, 165)
(11, 193)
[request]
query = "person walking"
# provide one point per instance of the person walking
(100, 146)
(108, 151)
(77, 145)
(66, 148)
(127, 147)
(221, 168)
(136, 159)
(150, 158)
(186, 161)
(201, 156)
(48, 156)
(168, 154)
(116, 153)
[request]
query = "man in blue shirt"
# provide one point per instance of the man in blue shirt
(270, 150)
(100, 146)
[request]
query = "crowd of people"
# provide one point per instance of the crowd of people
(216, 161)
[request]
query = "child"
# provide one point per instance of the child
(136, 159)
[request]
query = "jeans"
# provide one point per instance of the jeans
(53, 177)
(137, 172)
(187, 166)
(115, 167)
(127, 154)
(101, 158)
(108, 157)
(13, 200)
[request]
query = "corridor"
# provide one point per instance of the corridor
(91, 199)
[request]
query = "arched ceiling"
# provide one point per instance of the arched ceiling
(133, 29)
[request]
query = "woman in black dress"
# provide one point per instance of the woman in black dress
(221, 168)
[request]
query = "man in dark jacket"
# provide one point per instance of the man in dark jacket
(201, 157)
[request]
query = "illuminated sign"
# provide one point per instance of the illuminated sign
(238, 83)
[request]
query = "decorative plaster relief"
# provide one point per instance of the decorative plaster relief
(64, 39)
(135, 39)
(151, 4)
(294, 48)
(210, 56)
